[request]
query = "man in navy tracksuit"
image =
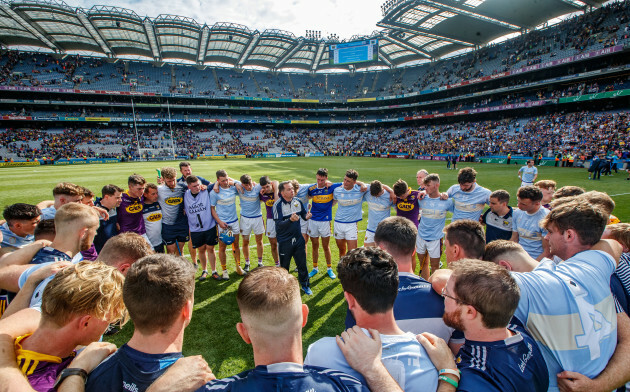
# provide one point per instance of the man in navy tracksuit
(287, 211)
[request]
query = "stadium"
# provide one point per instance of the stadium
(94, 95)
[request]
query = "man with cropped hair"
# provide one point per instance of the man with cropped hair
(152, 215)
(251, 218)
(174, 222)
(431, 227)
(21, 221)
(464, 239)
(130, 209)
(268, 195)
(509, 255)
(202, 226)
(526, 229)
(498, 218)
(406, 201)
(379, 207)
(480, 299)
(111, 197)
(63, 193)
(224, 213)
(568, 190)
(468, 196)
(349, 199)
(159, 293)
(420, 176)
(548, 188)
(528, 174)
(369, 277)
(78, 305)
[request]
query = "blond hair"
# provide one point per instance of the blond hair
(86, 288)
(546, 184)
(67, 189)
(169, 172)
(75, 215)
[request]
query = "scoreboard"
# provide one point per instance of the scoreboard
(353, 52)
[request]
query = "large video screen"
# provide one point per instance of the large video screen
(353, 52)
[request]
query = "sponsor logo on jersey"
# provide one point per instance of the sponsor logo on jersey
(322, 198)
(269, 203)
(404, 206)
(173, 201)
(134, 208)
(155, 217)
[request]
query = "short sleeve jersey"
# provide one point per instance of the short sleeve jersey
(349, 204)
(41, 370)
(405, 359)
(36, 298)
(152, 215)
(198, 211)
(49, 212)
(514, 364)
(9, 238)
(580, 289)
(379, 208)
(250, 202)
(498, 227)
(172, 203)
(225, 204)
(303, 194)
(434, 211)
(408, 207)
(129, 370)
(322, 201)
(469, 205)
(130, 214)
(530, 234)
(287, 376)
(528, 173)
(268, 199)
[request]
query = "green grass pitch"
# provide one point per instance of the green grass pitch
(212, 332)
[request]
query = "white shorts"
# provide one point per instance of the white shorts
(433, 247)
(249, 225)
(523, 183)
(271, 228)
(346, 231)
(369, 237)
(318, 229)
(303, 226)
(234, 226)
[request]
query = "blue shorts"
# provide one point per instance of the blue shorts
(172, 233)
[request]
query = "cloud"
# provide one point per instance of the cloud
(344, 18)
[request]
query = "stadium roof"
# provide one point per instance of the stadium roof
(412, 30)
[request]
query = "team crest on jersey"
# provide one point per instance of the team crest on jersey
(155, 217)
(269, 203)
(404, 206)
(134, 208)
(506, 223)
(296, 204)
(173, 201)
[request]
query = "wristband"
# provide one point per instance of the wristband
(452, 372)
(448, 380)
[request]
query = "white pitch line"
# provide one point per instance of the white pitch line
(620, 194)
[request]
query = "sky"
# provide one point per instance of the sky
(342, 17)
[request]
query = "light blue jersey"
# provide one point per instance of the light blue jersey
(349, 204)
(302, 194)
(469, 205)
(9, 238)
(530, 234)
(225, 204)
(405, 359)
(434, 211)
(570, 312)
(250, 202)
(529, 173)
(379, 208)
(49, 212)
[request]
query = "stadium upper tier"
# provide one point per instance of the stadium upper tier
(578, 133)
(604, 28)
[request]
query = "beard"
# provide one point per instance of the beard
(85, 243)
(454, 320)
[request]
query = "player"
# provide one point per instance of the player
(321, 196)
(251, 218)
(407, 201)
(548, 188)
(431, 227)
(174, 223)
(152, 215)
(420, 176)
(63, 193)
(21, 220)
(111, 197)
(186, 170)
(468, 196)
(203, 228)
(129, 211)
(498, 218)
(349, 198)
(269, 195)
(528, 174)
(526, 229)
(379, 207)
(224, 213)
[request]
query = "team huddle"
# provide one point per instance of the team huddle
(536, 301)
